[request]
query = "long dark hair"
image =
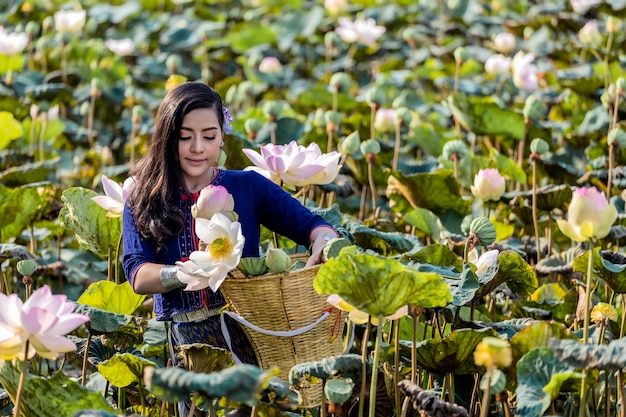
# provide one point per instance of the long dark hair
(158, 175)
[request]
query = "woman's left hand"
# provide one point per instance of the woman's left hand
(320, 237)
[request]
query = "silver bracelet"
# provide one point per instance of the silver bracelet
(168, 278)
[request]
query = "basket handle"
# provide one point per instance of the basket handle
(245, 322)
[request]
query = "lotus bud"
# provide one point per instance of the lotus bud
(488, 185)
(539, 146)
(333, 120)
(34, 111)
(252, 266)
(493, 352)
(53, 113)
(370, 146)
(608, 97)
(461, 55)
(32, 27)
(351, 144)
(335, 7)
(484, 230)
(130, 93)
(277, 260)
(246, 88)
(589, 34)
(504, 42)
(270, 65)
(26, 267)
(384, 120)
(332, 40)
(411, 34)
(403, 116)
(173, 62)
(618, 137)
(252, 127)
(528, 32)
(338, 391)
(334, 246)
(533, 108)
(272, 109)
(375, 96)
(95, 87)
(138, 113)
(454, 149)
(613, 24)
(47, 23)
(319, 118)
(83, 110)
(341, 82)
(620, 85)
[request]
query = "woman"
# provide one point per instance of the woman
(158, 225)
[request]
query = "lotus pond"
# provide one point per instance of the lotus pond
(480, 200)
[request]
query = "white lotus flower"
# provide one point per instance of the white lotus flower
(224, 247)
(364, 31)
(484, 261)
(498, 64)
(121, 47)
(12, 43)
(69, 20)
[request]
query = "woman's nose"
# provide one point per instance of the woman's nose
(196, 145)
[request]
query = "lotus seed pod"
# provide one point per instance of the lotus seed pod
(341, 82)
(138, 112)
(608, 97)
(533, 108)
(465, 224)
(332, 117)
(272, 109)
(26, 267)
(370, 146)
(376, 95)
(452, 147)
(32, 27)
(252, 125)
(461, 55)
(338, 391)
(539, 146)
(403, 115)
(277, 260)
(351, 144)
(621, 85)
(484, 229)
(319, 118)
(173, 62)
(130, 91)
(334, 246)
(332, 40)
(617, 136)
(410, 34)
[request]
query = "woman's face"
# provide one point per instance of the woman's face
(199, 147)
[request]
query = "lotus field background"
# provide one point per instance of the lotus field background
(481, 198)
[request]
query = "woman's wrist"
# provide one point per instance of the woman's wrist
(169, 278)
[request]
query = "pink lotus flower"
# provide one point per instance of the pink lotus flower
(364, 31)
(589, 215)
(115, 197)
(270, 65)
(43, 320)
(384, 121)
(295, 165)
(488, 185)
(213, 199)
(12, 43)
(524, 71)
(121, 47)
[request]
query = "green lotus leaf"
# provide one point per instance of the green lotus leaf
(119, 331)
(287, 129)
(11, 63)
(242, 384)
(615, 280)
(464, 289)
(94, 413)
(540, 375)
(102, 13)
(348, 365)
(13, 251)
(497, 381)
(98, 352)
(435, 191)
(124, 369)
(596, 120)
(551, 196)
(20, 207)
(89, 222)
(154, 339)
(438, 254)
(281, 393)
(611, 357)
(561, 262)
(537, 334)
(379, 286)
(11, 128)
(515, 272)
(426, 222)
(385, 243)
(25, 175)
(55, 396)
(453, 353)
(109, 296)
(203, 358)
(507, 166)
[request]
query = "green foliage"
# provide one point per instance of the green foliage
(11, 128)
(515, 272)
(94, 230)
(124, 369)
(20, 207)
(109, 296)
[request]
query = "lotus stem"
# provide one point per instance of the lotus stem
(374, 379)
(583, 383)
(607, 68)
(373, 107)
(457, 75)
(335, 98)
(350, 56)
(414, 316)
(31, 138)
(396, 148)
(610, 173)
(396, 366)
(117, 258)
(620, 391)
(329, 143)
(484, 406)
(472, 405)
(92, 106)
(20, 386)
(110, 264)
(42, 134)
(192, 409)
(64, 61)
(273, 132)
(534, 210)
(85, 356)
(366, 337)
(455, 164)
(370, 176)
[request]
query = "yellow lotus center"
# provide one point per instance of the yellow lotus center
(220, 248)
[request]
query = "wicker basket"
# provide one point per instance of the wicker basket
(285, 302)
